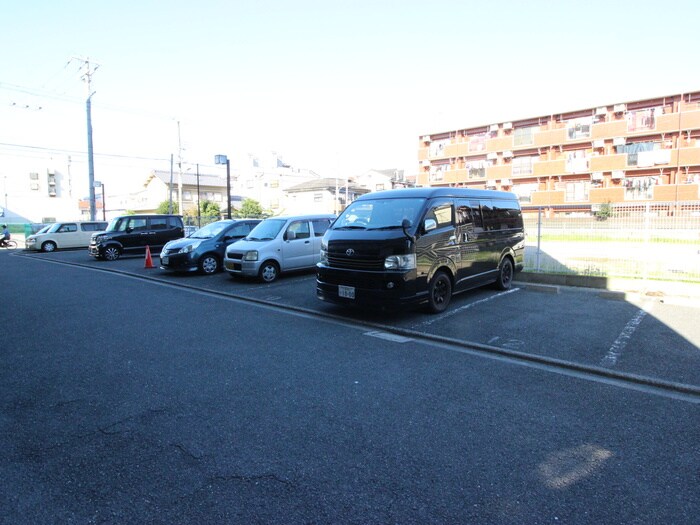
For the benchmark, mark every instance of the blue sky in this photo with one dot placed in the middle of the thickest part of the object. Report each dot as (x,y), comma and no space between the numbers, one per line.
(334,86)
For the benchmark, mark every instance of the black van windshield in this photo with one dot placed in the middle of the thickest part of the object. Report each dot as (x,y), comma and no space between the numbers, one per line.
(379,214)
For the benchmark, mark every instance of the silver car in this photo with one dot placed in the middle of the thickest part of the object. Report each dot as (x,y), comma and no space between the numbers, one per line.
(278,244)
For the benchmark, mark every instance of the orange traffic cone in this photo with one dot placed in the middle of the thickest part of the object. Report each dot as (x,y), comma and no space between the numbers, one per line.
(149,261)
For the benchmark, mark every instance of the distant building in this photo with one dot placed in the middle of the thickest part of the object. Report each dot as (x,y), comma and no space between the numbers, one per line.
(158,187)
(572,162)
(38,195)
(378,180)
(328,195)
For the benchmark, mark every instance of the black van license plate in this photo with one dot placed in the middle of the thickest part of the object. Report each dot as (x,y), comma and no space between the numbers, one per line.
(348,292)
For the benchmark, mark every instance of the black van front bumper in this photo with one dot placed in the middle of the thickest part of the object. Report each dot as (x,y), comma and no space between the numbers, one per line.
(385,290)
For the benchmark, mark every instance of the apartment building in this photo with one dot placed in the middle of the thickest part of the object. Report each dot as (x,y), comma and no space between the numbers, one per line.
(639,151)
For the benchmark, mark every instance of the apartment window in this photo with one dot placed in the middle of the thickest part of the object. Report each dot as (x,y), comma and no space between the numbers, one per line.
(579,128)
(476,169)
(437,173)
(34,186)
(187,195)
(577,191)
(642,120)
(525,191)
(523,165)
(318,197)
(437,147)
(477,142)
(640,188)
(645,154)
(524,136)
(379,187)
(577,162)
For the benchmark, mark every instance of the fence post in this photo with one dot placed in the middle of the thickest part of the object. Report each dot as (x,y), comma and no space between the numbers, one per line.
(539,236)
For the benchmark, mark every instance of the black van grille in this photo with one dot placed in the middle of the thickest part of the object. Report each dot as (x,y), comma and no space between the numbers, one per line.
(354,262)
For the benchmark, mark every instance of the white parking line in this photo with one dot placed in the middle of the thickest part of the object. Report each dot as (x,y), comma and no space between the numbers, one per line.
(389,337)
(620,343)
(450,313)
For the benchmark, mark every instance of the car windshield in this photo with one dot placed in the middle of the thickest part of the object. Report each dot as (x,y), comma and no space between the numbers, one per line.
(379,214)
(210,230)
(54,227)
(266,230)
(113,225)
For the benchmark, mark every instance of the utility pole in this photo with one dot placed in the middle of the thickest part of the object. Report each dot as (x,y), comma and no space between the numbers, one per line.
(89,70)
(179,166)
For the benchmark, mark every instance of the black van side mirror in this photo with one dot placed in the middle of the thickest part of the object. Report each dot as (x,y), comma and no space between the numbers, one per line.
(405,225)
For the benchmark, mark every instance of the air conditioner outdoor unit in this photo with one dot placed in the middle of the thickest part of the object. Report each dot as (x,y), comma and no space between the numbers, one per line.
(426,138)
(507,125)
(597,175)
(620,108)
(426,163)
(506,182)
(600,143)
(492,156)
(601,110)
(507,154)
(493,127)
(618,174)
(619,141)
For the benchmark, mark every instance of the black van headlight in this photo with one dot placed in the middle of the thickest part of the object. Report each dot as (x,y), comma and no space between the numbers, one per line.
(400,262)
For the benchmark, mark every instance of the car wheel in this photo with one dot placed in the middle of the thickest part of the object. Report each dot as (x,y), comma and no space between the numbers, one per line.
(505,274)
(269,271)
(439,292)
(48,246)
(112,253)
(209,264)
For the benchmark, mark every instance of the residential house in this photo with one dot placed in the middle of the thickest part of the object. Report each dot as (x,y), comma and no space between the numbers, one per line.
(327,195)
(377,180)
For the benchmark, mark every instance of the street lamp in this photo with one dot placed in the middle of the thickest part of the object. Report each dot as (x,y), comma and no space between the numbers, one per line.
(223,159)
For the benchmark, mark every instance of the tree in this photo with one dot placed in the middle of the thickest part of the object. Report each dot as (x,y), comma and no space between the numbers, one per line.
(250,208)
(164,207)
(604,212)
(209,209)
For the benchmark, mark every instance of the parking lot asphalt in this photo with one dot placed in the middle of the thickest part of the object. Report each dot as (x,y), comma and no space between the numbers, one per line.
(652,340)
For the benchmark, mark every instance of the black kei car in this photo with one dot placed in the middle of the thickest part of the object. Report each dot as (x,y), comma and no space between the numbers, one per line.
(134,234)
(204,249)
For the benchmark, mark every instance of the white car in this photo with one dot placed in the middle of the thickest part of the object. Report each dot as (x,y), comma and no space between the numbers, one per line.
(73,234)
(278,244)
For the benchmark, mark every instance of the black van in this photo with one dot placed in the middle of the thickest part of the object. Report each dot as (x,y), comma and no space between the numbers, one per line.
(402,247)
(130,234)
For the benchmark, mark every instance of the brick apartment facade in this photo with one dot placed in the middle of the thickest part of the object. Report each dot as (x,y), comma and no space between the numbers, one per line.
(645,151)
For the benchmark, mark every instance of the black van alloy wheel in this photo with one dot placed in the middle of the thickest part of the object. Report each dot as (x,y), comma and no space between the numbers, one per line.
(439,292)
(112,253)
(505,274)
(208,264)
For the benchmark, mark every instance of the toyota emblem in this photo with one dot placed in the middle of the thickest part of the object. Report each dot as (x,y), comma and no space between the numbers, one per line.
(349,252)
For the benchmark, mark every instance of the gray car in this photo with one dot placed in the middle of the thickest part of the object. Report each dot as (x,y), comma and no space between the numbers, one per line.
(278,244)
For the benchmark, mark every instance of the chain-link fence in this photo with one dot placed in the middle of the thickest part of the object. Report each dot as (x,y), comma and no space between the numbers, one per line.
(642,240)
